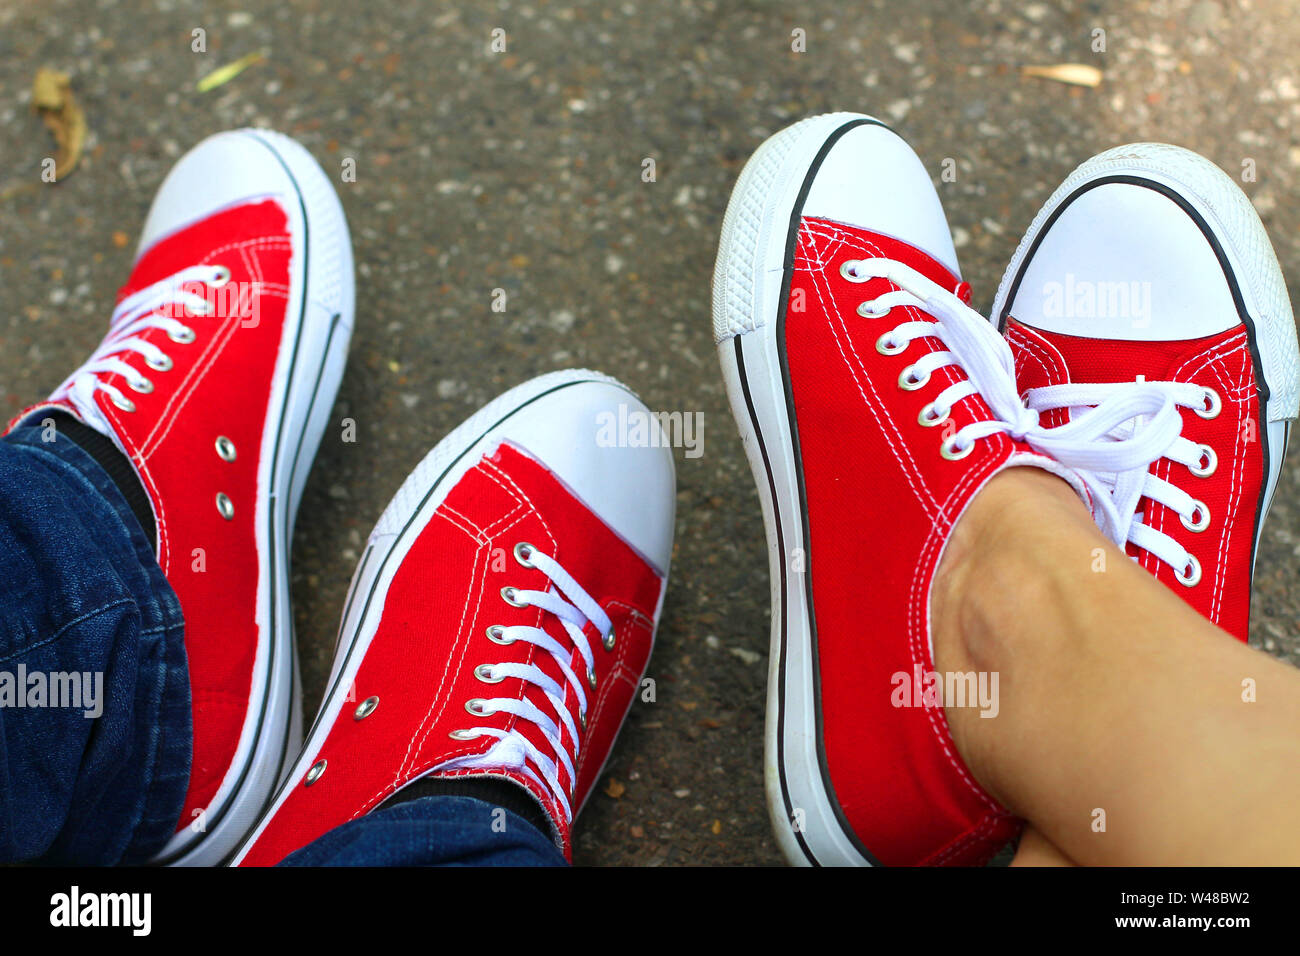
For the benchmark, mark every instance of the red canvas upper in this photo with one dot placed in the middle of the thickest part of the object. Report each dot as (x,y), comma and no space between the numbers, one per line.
(1221,362)
(880,503)
(219,385)
(432,635)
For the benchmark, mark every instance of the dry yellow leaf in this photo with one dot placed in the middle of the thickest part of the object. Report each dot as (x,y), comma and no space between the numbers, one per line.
(1076,74)
(224,74)
(52,97)
(48,88)
(614,789)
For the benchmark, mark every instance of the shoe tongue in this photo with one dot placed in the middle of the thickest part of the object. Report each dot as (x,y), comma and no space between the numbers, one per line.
(887,247)
(546,663)
(1052,358)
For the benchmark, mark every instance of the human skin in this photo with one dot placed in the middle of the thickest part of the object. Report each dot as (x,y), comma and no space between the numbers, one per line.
(1116,698)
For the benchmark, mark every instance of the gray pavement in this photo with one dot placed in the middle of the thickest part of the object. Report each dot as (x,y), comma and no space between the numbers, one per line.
(523,171)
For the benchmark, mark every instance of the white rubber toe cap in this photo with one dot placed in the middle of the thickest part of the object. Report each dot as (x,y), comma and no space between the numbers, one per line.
(872,179)
(607,447)
(222,171)
(1122,261)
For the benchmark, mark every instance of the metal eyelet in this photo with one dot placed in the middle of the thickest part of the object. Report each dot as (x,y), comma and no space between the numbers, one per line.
(225,448)
(163,365)
(475,706)
(315,772)
(1213,407)
(1190,576)
(1191,524)
(464,735)
(508,595)
(591,678)
(522,551)
(496,634)
(847,270)
(484,673)
(365,708)
(609,640)
(908,381)
(884,347)
(1211,463)
(582,721)
(225,506)
(928,418)
(185,336)
(867,312)
(123,403)
(949,450)
(221,278)
(144,386)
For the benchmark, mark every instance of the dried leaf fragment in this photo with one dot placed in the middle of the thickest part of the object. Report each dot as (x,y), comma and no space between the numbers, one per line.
(224,74)
(1076,74)
(52,97)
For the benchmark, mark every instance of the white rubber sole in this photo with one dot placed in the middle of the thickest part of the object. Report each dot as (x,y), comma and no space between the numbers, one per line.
(748,301)
(394,534)
(313,353)
(1227,213)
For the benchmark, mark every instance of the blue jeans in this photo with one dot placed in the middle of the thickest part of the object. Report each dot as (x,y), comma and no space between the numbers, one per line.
(432,831)
(95,733)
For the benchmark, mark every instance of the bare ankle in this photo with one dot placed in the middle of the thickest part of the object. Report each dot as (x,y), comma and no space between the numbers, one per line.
(986,554)
(994,565)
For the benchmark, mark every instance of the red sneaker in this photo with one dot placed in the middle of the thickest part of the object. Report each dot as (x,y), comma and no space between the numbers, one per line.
(502,616)
(874,404)
(216,378)
(1148,263)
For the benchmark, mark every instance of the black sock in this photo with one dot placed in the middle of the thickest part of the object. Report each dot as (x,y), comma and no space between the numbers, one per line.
(115,464)
(493,790)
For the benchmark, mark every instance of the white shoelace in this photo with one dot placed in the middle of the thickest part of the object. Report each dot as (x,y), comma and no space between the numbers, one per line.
(137,313)
(574,608)
(1129,488)
(1124,433)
